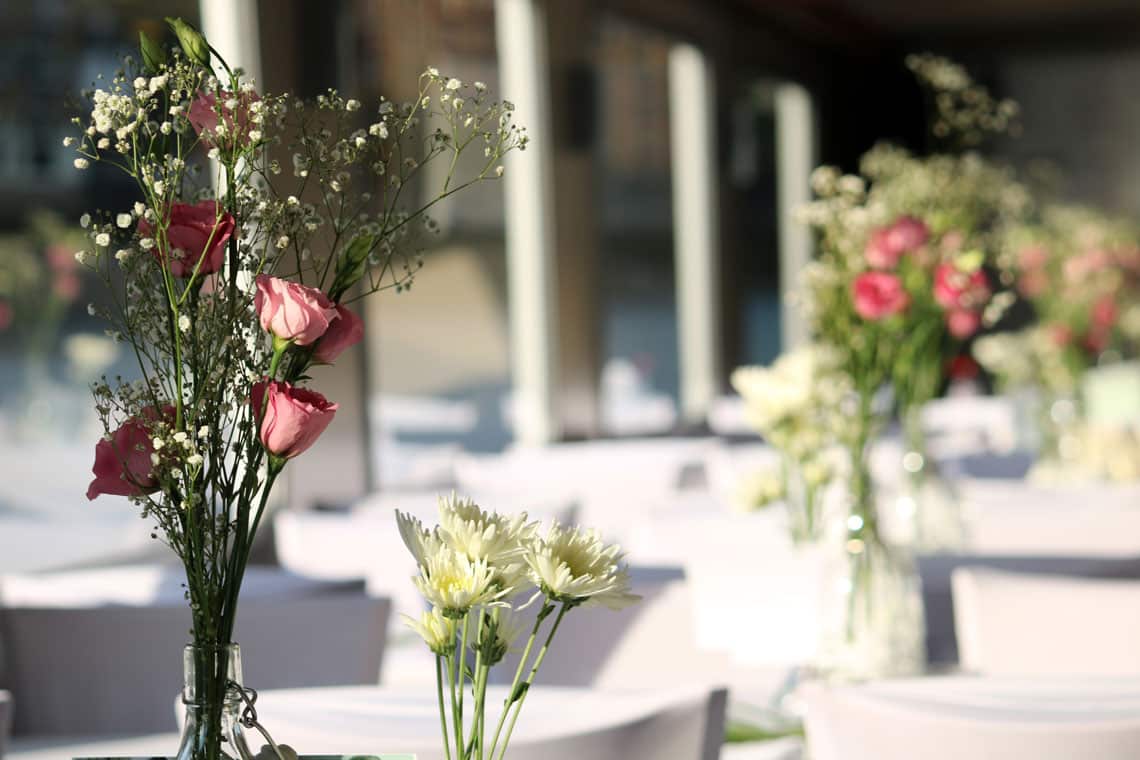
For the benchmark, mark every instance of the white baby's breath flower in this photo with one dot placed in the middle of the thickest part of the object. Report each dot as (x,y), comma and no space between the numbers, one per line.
(146,244)
(436,629)
(453,84)
(139,208)
(194,460)
(68,142)
(576,566)
(454,583)
(184,323)
(102,240)
(85,221)
(122,221)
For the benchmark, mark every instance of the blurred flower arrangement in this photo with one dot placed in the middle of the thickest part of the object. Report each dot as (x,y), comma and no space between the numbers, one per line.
(905,277)
(1079,269)
(230,279)
(795,405)
(475,570)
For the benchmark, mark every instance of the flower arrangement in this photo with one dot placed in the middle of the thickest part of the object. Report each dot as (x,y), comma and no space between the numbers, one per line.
(475,567)
(796,405)
(232,276)
(1080,271)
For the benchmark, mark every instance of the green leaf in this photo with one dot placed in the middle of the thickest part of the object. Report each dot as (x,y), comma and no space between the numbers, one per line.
(153,54)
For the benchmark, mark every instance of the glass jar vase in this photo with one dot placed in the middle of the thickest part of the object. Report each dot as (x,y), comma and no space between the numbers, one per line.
(212,700)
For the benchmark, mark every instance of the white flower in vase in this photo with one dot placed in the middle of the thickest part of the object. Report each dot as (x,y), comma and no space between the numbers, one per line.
(576,566)
(436,629)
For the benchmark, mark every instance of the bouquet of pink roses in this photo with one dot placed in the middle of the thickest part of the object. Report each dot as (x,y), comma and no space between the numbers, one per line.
(231,276)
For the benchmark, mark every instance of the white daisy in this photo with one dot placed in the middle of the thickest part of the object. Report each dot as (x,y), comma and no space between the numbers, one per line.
(454,583)
(436,629)
(576,566)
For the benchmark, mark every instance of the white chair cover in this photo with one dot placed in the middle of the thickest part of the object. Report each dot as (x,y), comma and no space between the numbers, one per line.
(964,718)
(1044,625)
(1013,517)
(115,669)
(613,481)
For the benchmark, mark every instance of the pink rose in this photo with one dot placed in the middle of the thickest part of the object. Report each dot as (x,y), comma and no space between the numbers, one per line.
(878,295)
(203,116)
(1060,334)
(294,417)
(1032,257)
(291,311)
(908,233)
(1090,262)
(1033,283)
(345,331)
(962,323)
(1104,312)
(122,464)
(194,233)
(888,244)
(955,289)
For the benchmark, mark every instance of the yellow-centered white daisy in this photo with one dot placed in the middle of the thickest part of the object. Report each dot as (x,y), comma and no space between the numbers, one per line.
(420,542)
(455,583)
(576,566)
(481,535)
(436,629)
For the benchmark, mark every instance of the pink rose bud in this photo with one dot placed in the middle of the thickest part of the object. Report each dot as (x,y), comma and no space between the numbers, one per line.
(236,121)
(1104,313)
(294,418)
(962,323)
(907,234)
(194,233)
(878,295)
(1060,334)
(122,464)
(955,289)
(1032,257)
(291,311)
(343,332)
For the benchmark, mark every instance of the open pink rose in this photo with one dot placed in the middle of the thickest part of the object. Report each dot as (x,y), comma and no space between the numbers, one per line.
(962,323)
(194,233)
(878,295)
(122,464)
(888,244)
(1088,263)
(291,311)
(294,417)
(345,331)
(236,121)
(955,289)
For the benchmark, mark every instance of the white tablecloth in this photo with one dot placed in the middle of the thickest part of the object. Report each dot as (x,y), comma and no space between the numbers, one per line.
(671,724)
(956,718)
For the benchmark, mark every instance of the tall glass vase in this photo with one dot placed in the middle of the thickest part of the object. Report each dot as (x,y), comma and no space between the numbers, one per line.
(211,696)
(928,503)
(803,499)
(872,622)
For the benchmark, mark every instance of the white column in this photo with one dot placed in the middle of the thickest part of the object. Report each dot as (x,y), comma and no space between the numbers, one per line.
(795,160)
(231,27)
(531,287)
(692,138)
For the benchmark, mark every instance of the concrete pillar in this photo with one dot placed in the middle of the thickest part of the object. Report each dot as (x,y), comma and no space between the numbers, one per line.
(520,29)
(692,138)
(796,157)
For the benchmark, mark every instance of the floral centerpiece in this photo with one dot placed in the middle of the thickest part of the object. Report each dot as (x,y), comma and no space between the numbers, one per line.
(795,404)
(478,571)
(1079,271)
(903,279)
(260,219)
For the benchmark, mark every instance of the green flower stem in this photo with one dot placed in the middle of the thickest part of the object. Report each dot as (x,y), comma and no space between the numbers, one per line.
(442,712)
(460,675)
(477,735)
(518,673)
(457,725)
(530,680)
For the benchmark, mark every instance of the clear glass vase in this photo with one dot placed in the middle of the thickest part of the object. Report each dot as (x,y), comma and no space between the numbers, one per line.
(871,614)
(803,499)
(927,502)
(211,697)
